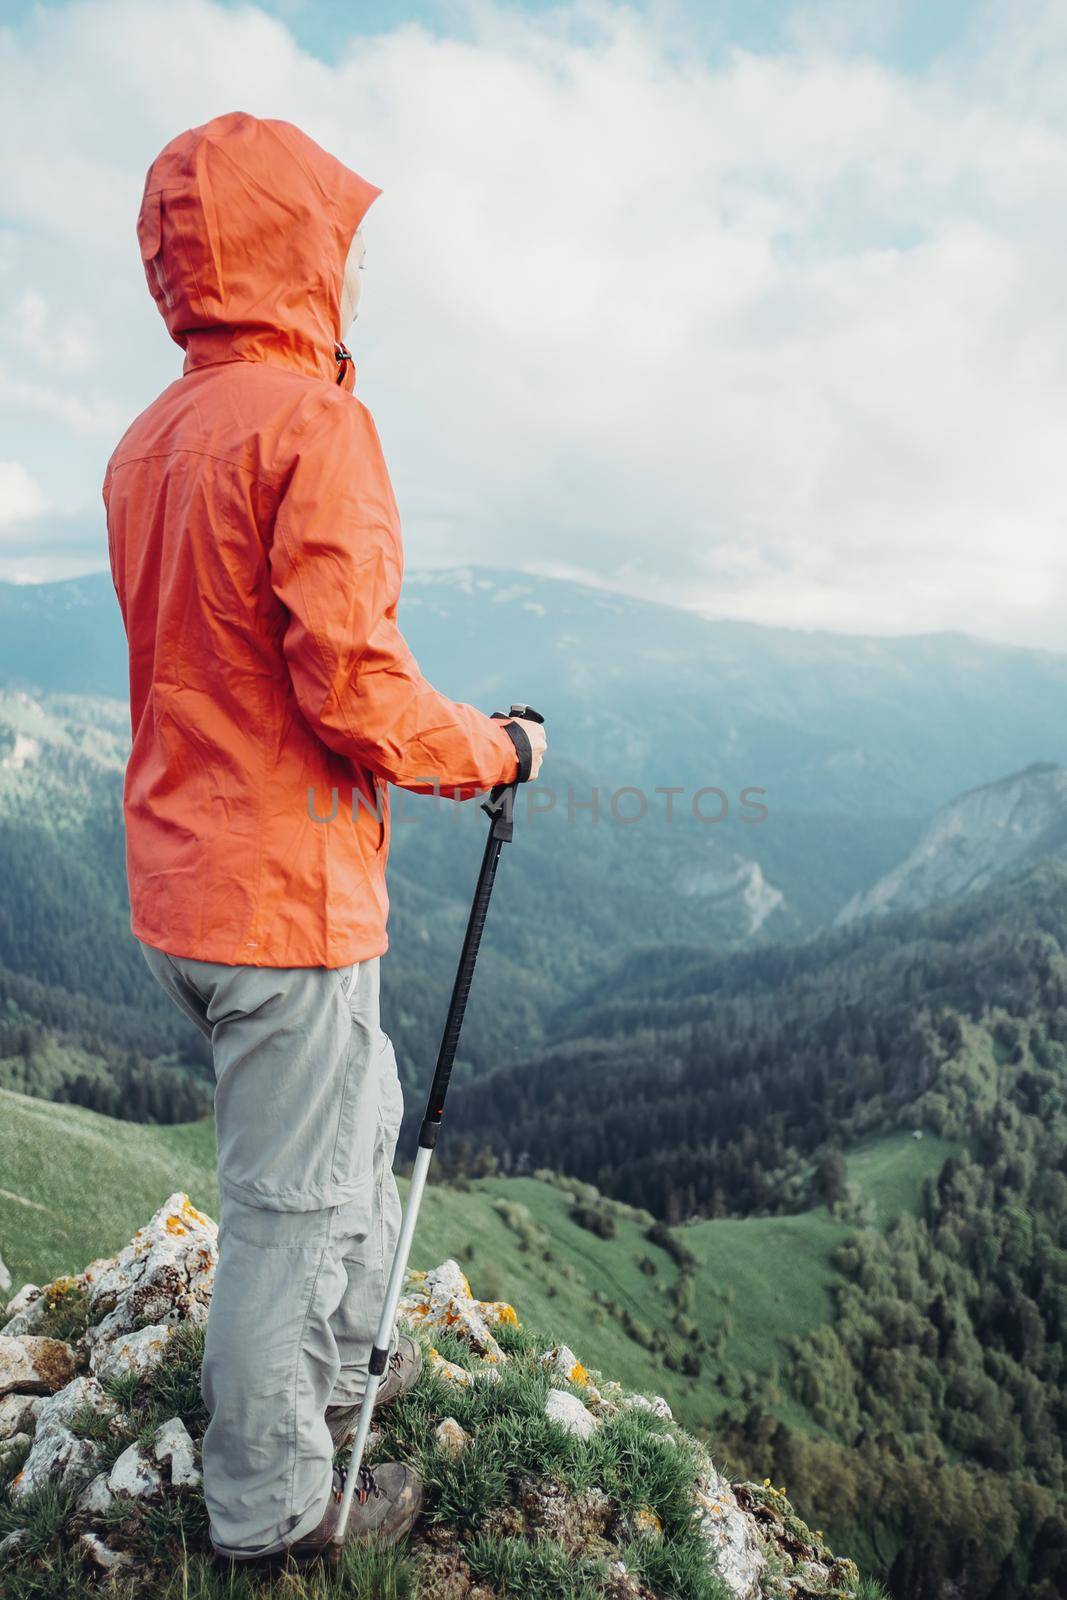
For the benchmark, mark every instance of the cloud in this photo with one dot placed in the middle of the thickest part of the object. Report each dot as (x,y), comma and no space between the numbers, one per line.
(20,496)
(780,336)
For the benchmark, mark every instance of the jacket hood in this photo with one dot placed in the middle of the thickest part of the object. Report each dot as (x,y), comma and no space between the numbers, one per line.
(244,229)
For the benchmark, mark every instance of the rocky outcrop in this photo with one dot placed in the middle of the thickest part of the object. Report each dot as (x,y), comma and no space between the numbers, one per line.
(61,1457)
(64,1406)
(974,840)
(163,1276)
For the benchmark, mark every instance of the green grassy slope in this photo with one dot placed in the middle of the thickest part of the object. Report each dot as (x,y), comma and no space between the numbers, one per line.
(74,1185)
(890,1171)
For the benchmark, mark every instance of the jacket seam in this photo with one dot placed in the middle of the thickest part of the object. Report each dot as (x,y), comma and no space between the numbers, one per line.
(269,481)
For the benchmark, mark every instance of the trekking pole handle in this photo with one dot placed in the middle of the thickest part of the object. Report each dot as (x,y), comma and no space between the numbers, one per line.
(525,714)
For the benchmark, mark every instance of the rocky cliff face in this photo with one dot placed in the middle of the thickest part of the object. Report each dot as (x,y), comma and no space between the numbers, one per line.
(983,835)
(522,1446)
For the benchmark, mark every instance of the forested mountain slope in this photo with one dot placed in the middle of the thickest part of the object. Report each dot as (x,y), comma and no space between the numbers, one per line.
(697,1083)
(650,694)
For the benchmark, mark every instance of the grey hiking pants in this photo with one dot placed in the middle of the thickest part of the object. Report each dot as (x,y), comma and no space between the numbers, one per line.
(307,1111)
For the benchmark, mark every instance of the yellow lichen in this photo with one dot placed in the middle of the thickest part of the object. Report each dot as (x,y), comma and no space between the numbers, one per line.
(499,1311)
(646,1521)
(175,1227)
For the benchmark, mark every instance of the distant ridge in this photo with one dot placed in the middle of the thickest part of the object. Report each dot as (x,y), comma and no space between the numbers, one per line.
(975,839)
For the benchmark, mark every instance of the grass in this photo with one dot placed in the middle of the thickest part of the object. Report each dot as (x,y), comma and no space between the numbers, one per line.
(60,1574)
(515,1454)
(75,1185)
(890,1171)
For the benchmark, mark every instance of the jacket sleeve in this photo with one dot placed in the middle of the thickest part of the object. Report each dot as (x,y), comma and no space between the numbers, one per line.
(336,565)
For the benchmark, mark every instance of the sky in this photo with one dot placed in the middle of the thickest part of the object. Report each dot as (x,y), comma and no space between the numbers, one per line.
(755,308)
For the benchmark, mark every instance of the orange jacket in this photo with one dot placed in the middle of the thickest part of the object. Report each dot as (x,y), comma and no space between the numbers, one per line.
(256,552)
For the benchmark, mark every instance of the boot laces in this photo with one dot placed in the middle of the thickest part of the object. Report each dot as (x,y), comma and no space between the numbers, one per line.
(366,1484)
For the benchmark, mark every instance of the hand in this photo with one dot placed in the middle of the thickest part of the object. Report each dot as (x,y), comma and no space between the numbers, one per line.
(535,732)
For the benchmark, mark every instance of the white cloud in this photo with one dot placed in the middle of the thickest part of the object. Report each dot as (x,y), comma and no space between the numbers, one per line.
(781,337)
(20,496)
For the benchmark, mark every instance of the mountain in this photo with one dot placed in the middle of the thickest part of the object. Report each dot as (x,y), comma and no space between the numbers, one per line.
(986,833)
(650,695)
(699,1083)
(80,1017)
(77,1004)
(711,1087)
(63,637)
(828,724)
(852,739)
(802,764)
(626,1299)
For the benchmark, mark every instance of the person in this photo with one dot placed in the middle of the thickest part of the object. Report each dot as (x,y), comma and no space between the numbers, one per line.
(256,553)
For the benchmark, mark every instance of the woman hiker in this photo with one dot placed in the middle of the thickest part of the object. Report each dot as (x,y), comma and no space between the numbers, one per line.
(256,552)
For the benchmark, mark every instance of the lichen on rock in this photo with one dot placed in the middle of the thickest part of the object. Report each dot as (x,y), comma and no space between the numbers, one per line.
(60,1457)
(164,1275)
(33,1365)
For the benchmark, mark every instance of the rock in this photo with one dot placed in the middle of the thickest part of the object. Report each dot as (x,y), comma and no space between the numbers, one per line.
(622,1584)
(546,1508)
(31,1365)
(451,1438)
(563,1360)
(496,1312)
(101,1555)
(57,1455)
(26,1311)
(565,1408)
(174,1449)
(165,1273)
(730,1535)
(96,1498)
(450,1371)
(27,1295)
(134,1475)
(647,1525)
(442,1299)
(18,1414)
(654,1403)
(5,1277)
(10,1545)
(132,1352)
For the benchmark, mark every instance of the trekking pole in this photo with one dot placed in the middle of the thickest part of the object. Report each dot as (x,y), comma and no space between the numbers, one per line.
(500,808)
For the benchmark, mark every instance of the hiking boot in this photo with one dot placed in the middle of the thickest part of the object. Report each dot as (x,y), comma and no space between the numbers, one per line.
(401,1374)
(385,1507)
